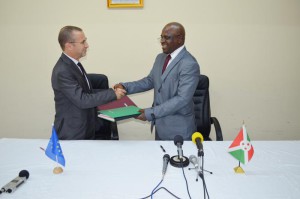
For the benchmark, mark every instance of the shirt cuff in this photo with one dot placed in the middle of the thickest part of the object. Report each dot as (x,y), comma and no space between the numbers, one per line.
(123,86)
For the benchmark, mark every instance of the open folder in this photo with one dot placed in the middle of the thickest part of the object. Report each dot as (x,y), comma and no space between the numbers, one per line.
(118,110)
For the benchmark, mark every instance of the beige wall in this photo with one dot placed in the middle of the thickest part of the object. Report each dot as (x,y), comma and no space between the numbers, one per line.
(249,49)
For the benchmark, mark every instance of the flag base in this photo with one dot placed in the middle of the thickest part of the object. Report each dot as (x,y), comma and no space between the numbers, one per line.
(57,170)
(238,170)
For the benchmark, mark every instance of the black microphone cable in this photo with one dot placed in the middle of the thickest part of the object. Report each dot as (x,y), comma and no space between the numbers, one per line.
(205,192)
(187,186)
(156,187)
(160,189)
(166,159)
(156,190)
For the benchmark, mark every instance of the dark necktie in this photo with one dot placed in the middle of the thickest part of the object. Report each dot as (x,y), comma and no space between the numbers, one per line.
(82,69)
(83,73)
(166,63)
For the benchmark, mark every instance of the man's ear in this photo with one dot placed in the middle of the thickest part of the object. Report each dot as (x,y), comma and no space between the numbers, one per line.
(68,46)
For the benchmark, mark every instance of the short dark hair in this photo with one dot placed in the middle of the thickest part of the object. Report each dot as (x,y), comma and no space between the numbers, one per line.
(65,35)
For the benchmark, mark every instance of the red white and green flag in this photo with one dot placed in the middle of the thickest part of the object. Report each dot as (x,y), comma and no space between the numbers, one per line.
(241,147)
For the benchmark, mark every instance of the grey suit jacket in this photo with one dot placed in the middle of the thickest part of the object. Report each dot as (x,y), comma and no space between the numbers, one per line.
(173,107)
(75,103)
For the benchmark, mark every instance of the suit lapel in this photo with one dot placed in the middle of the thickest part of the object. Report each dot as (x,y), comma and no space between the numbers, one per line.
(172,65)
(77,72)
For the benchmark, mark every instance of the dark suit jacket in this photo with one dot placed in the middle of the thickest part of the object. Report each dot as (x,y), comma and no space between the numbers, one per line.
(173,106)
(75,103)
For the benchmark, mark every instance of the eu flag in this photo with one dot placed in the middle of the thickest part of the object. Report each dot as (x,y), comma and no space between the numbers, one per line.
(53,150)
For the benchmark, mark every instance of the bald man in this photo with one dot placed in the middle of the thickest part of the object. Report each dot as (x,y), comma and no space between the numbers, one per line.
(174,78)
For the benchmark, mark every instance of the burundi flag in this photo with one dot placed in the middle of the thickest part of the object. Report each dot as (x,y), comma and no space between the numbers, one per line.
(241,147)
(53,150)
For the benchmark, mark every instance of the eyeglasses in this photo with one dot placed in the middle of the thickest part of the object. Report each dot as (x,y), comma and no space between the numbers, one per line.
(79,42)
(166,38)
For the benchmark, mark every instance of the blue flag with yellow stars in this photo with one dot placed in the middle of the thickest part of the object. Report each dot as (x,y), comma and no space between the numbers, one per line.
(53,150)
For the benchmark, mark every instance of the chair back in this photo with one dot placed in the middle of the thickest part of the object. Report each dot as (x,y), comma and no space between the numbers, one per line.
(202,107)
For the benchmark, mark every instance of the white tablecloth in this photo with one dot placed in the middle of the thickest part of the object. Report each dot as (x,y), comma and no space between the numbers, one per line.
(131,169)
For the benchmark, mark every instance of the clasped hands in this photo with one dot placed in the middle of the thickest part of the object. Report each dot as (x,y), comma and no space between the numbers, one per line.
(121,92)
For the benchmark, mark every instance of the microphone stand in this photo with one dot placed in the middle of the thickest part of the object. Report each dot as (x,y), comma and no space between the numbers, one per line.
(179,160)
(200,172)
(197,168)
(201,154)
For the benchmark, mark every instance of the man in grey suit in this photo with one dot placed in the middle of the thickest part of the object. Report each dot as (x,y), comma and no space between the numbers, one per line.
(75,100)
(174,78)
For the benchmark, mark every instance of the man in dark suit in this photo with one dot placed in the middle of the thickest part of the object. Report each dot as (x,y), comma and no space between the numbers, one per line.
(174,78)
(75,100)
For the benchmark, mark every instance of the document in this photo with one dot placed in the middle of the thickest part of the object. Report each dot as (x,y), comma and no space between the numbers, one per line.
(117,114)
(118,110)
(125,101)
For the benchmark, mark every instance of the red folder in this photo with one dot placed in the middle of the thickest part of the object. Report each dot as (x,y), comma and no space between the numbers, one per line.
(125,101)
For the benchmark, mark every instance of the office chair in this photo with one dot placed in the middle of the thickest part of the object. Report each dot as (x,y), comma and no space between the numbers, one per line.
(202,111)
(100,82)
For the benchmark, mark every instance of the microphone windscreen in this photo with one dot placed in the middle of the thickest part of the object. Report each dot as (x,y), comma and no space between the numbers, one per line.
(197,135)
(178,139)
(24,173)
(167,157)
(193,160)
(192,157)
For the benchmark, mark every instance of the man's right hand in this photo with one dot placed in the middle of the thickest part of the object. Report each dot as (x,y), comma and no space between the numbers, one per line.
(120,92)
(118,86)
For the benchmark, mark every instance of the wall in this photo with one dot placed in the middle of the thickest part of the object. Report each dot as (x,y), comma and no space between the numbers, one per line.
(249,50)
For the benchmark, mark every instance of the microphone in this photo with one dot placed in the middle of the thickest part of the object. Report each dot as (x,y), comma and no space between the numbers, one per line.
(178,141)
(197,138)
(166,160)
(16,182)
(179,160)
(193,159)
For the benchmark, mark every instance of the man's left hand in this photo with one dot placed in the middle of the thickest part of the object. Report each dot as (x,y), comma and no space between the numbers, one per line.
(142,115)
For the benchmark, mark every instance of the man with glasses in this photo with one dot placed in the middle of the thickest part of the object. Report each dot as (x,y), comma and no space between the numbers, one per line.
(174,78)
(75,99)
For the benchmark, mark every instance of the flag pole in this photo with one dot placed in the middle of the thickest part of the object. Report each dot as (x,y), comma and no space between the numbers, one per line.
(239,169)
(57,169)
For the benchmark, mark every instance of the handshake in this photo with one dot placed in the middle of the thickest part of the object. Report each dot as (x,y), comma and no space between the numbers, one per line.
(121,92)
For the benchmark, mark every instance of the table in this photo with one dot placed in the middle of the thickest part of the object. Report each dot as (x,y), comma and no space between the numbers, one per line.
(131,169)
